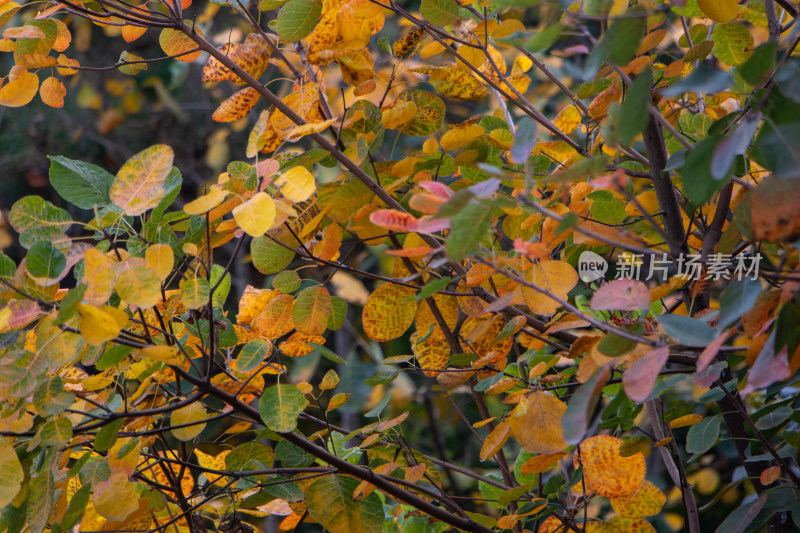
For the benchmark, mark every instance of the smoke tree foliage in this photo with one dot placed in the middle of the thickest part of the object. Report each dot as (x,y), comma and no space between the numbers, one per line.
(420,188)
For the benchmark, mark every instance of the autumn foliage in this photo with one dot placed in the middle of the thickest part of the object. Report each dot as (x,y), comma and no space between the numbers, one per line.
(526,265)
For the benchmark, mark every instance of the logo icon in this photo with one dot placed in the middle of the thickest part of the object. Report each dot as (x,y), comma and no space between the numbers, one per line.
(591,267)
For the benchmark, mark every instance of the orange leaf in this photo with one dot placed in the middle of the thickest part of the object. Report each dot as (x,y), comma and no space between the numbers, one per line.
(605,471)
(52,92)
(237,106)
(495,440)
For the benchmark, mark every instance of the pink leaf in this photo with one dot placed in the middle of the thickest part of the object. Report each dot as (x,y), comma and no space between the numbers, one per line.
(710,351)
(436,188)
(432,225)
(639,380)
(621,295)
(393,220)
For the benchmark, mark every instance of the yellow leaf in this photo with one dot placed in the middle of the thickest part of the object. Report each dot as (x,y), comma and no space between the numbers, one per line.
(190,414)
(568,120)
(297,184)
(555,277)
(538,429)
(685,420)
(253,301)
(304,102)
(329,380)
(115,498)
(456,138)
(237,106)
(170,355)
(719,10)
(647,500)
(495,440)
(205,203)
(52,92)
(256,215)
(137,282)
(100,324)
(161,258)
(213,462)
(99,275)
(139,184)
(399,115)
(21,89)
(387,313)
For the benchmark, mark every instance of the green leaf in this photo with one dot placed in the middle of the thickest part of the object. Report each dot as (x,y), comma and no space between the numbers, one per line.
(634,114)
(41,499)
(56,431)
(703,435)
(524,140)
(11,474)
(327,353)
(619,43)
(45,261)
(224,287)
(687,331)
(775,418)
(733,43)
(698,183)
(77,506)
(252,355)
(467,230)
(250,456)
(431,288)
(614,345)
(287,281)
(36,219)
(194,292)
(51,399)
(280,405)
(133,68)
(81,184)
(338,313)
(107,436)
(269,256)
(441,12)
(297,18)
(330,502)
(758,66)
(291,456)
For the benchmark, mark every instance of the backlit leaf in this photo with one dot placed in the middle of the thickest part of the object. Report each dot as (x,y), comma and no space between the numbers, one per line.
(388,312)
(330,502)
(297,184)
(52,92)
(21,88)
(11,474)
(137,282)
(237,106)
(256,215)
(312,308)
(192,414)
(555,277)
(539,430)
(140,183)
(175,42)
(280,405)
(605,471)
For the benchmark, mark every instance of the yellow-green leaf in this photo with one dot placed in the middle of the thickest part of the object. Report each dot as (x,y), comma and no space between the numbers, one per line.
(139,184)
